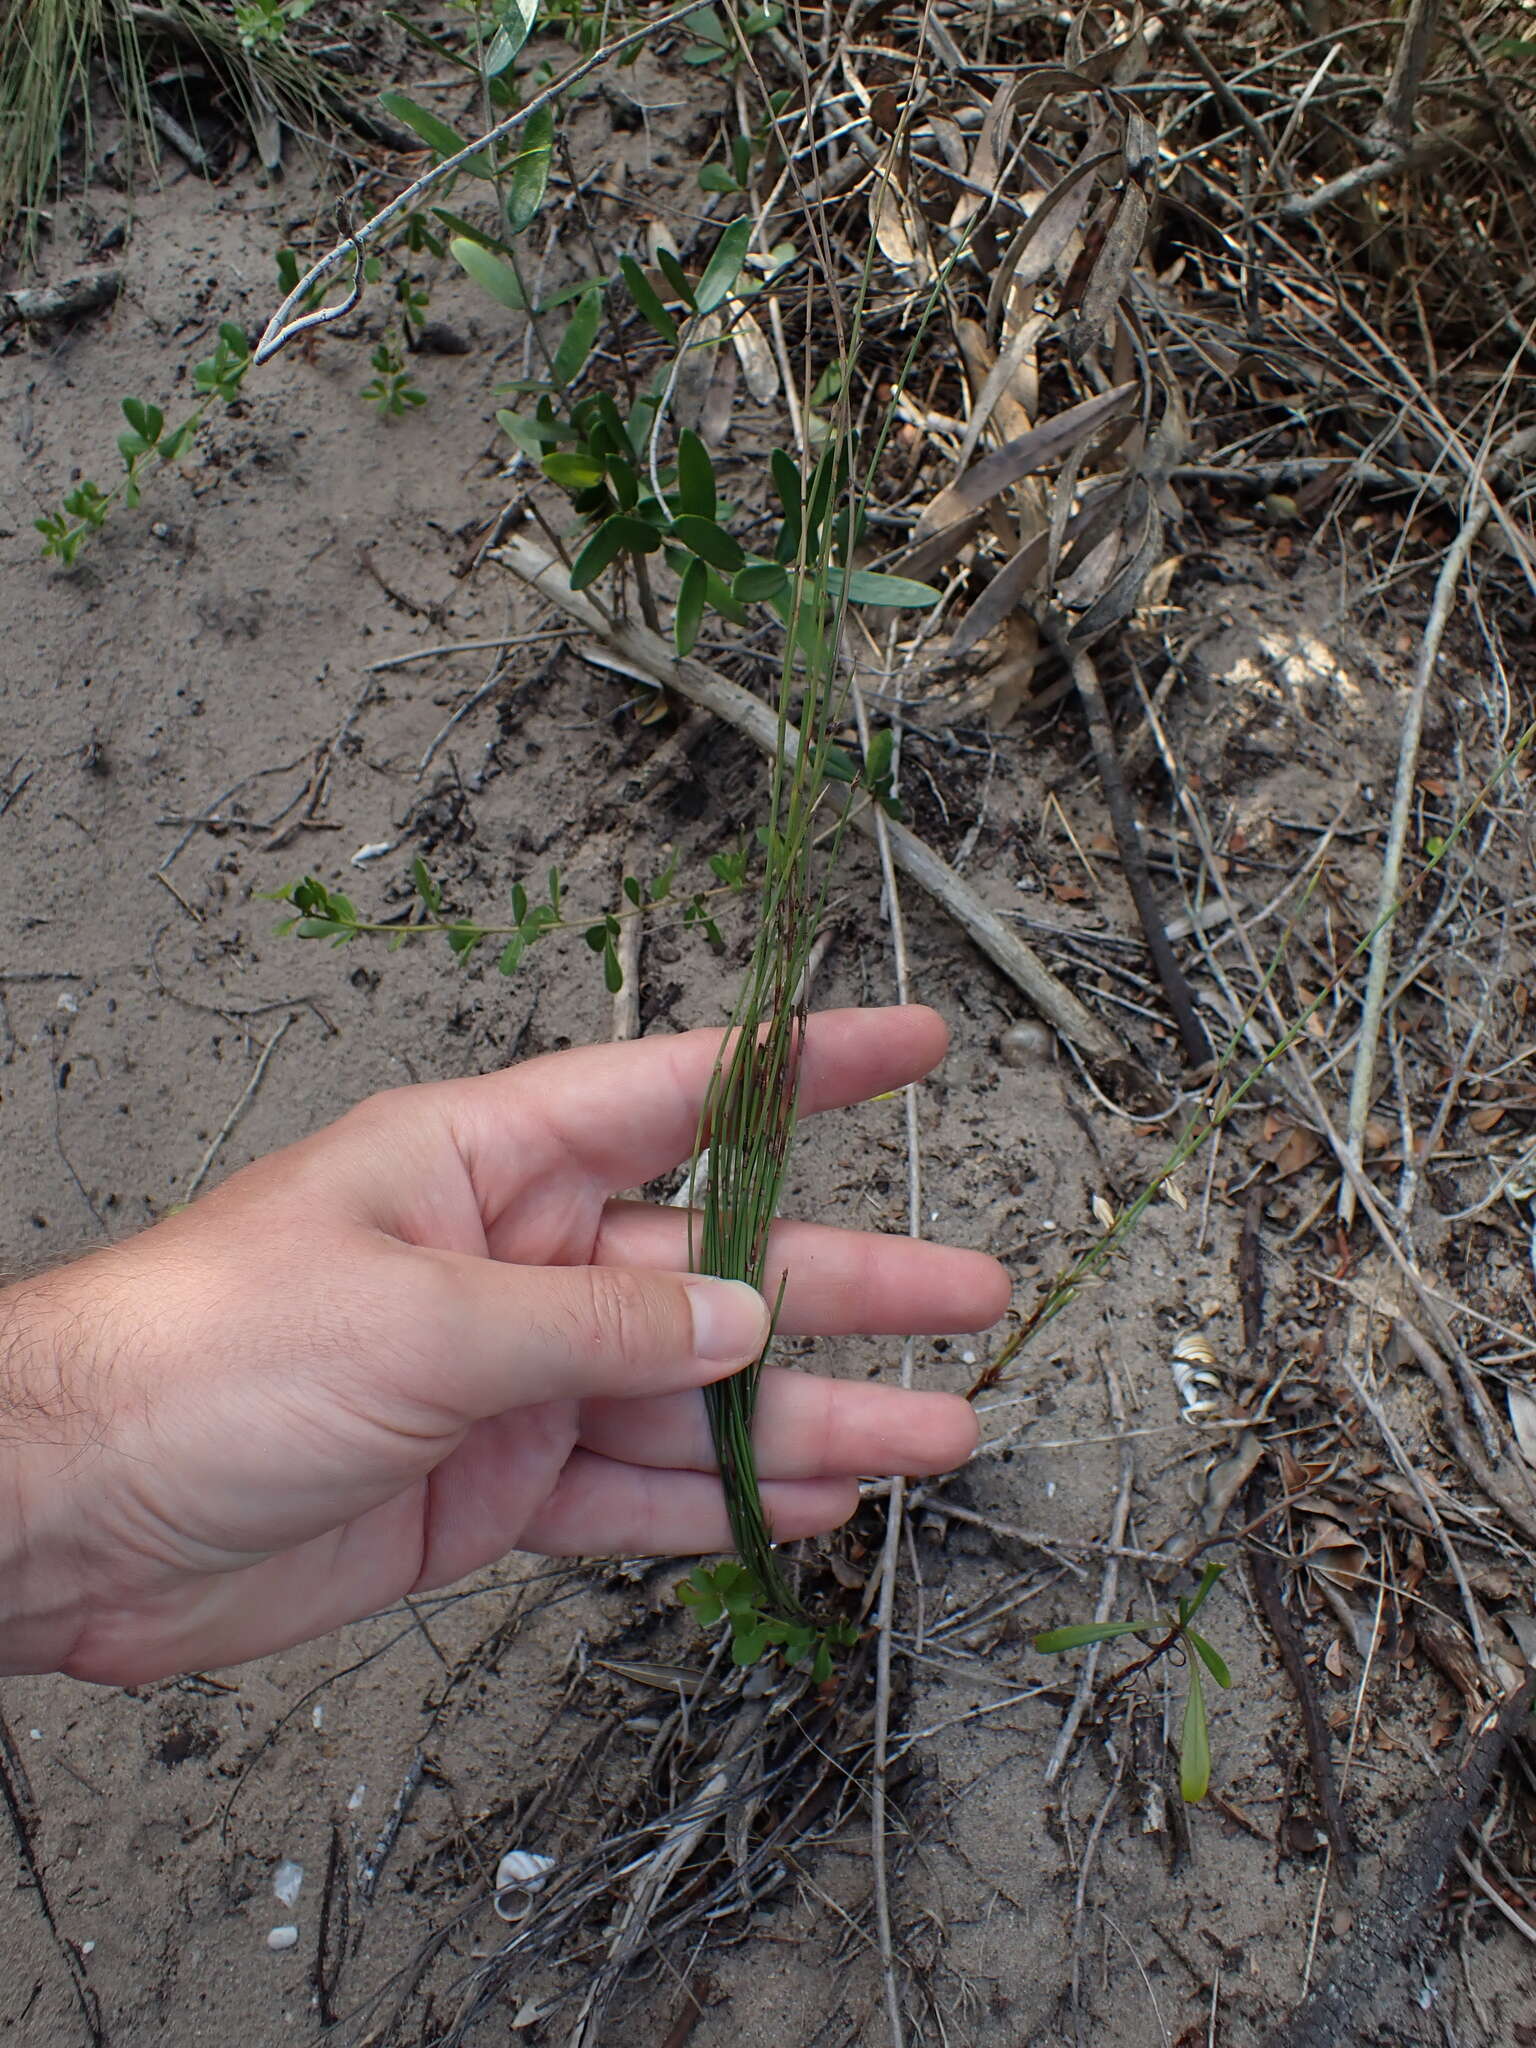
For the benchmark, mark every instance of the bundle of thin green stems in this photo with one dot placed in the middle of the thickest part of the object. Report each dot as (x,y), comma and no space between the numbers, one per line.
(749,1115)
(750,1110)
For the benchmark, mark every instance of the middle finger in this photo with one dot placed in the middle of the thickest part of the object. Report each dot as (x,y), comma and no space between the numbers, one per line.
(840,1281)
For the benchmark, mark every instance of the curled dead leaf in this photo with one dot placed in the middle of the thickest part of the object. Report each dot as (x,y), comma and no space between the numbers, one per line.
(898,230)
(757,360)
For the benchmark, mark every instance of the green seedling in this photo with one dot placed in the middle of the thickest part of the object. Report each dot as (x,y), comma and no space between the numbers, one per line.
(324,913)
(390,388)
(724,43)
(1177,1640)
(262,23)
(147,444)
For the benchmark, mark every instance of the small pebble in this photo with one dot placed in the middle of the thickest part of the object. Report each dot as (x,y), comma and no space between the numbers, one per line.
(283,1937)
(1026,1043)
(358,1794)
(287,1881)
(317,1716)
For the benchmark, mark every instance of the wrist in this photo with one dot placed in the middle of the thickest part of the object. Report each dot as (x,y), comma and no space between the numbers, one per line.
(47,1433)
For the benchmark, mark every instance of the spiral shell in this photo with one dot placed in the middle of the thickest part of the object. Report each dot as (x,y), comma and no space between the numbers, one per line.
(1192,1362)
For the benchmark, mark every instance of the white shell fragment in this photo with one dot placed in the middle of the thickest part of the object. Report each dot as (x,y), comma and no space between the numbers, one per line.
(287,1881)
(374,850)
(283,1937)
(1026,1043)
(519,1872)
(1192,1362)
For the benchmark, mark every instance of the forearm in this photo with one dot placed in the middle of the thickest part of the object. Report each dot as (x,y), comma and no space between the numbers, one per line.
(47,1432)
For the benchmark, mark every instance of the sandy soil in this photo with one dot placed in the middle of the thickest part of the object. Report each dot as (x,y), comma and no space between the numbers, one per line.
(214,658)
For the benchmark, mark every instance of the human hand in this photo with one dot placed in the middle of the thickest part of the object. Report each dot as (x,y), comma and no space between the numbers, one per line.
(383,1357)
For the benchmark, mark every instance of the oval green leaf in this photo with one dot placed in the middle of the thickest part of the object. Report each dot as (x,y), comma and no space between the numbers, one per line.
(695,476)
(1210,1657)
(677,277)
(761,583)
(616,536)
(530,170)
(572,472)
(646,299)
(436,134)
(786,481)
(570,358)
(1080,1634)
(868,586)
(1195,1743)
(712,543)
(492,275)
(514,25)
(690,606)
(723,267)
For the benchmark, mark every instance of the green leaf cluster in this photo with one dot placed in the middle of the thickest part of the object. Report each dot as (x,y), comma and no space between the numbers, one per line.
(391,388)
(715,42)
(732,1591)
(325,913)
(147,441)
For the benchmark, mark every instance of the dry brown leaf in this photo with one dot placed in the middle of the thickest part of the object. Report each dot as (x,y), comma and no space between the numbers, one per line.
(696,372)
(1011,413)
(1004,686)
(950,138)
(1002,596)
(1228,1476)
(756,354)
(1045,237)
(1037,449)
(1090,574)
(1110,272)
(1485,1119)
(1293,1153)
(987,156)
(1068,891)
(1335,1555)
(898,230)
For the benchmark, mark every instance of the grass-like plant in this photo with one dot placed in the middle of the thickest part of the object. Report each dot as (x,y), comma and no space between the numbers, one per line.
(750,1110)
(53,53)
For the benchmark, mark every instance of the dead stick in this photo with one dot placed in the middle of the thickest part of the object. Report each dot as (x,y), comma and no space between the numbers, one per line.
(1266,1584)
(1380,959)
(1394,123)
(1333,2014)
(1133,857)
(1501,1490)
(87,293)
(737,707)
(626,997)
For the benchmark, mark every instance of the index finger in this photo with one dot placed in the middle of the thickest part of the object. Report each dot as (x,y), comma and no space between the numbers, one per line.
(624,1113)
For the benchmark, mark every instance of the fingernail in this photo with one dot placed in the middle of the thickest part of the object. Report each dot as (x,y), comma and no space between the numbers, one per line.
(730,1320)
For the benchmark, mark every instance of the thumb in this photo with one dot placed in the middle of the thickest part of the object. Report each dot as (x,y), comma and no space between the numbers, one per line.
(482,1336)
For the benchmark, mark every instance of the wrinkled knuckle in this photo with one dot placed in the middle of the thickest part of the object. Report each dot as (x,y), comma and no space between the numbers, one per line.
(629,1320)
